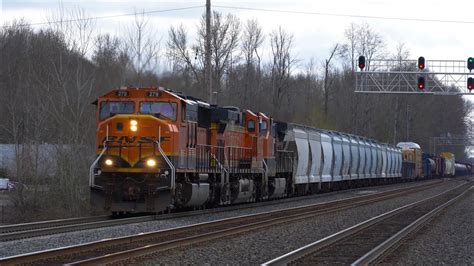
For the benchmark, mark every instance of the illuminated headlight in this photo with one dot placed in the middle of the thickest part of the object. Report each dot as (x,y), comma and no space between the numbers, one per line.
(151,162)
(133,125)
(108,162)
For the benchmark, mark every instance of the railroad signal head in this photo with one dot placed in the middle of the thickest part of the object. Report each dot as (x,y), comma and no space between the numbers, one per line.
(361,62)
(421,63)
(470,84)
(421,83)
(470,63)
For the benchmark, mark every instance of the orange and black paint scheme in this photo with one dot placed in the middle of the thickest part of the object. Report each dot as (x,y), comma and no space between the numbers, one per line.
(158,149)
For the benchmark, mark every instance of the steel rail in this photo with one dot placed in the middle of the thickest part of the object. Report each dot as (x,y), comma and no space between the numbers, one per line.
(49,223)
(80,225)
(330,240)
(179,242)
(176,243)
(389,245)
(234,226)
(28,230)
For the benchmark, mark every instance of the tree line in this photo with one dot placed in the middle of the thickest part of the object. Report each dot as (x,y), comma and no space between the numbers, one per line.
(50,76)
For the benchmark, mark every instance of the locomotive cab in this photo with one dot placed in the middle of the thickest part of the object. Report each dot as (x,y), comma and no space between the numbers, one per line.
(136,132)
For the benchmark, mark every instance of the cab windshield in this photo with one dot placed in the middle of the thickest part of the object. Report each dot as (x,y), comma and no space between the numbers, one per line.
(164,109)
(108,109)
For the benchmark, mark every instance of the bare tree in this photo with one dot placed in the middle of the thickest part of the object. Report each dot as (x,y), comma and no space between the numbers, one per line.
(141,47)
(252,40)
(369,43)
(225,33)
(281,44)
(362,40)
(179,54)
(349,49)
(74,26)
(111,62)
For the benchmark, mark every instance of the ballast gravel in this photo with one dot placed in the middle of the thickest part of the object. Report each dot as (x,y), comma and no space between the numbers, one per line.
(319,225)
(260,246)
(447,240)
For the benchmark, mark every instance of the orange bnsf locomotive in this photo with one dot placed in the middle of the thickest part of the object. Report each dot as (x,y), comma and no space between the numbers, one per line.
(158,149)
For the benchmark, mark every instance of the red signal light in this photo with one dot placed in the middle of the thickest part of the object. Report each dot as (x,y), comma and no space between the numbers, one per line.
(421,83)
(470,84)
(421,63)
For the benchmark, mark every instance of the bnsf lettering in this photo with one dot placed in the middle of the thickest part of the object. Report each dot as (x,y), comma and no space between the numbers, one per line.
(146,139)
(131,140)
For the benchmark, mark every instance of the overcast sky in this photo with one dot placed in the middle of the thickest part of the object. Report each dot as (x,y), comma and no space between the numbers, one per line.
(314,34)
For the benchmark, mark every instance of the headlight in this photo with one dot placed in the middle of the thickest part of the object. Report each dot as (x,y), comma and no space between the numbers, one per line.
(133,125)
(108,162)
(151,162)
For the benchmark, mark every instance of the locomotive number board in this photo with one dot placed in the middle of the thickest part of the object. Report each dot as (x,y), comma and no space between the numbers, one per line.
(152,94)
(122,93)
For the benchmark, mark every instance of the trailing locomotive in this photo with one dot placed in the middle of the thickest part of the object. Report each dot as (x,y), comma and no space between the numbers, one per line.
(158,149)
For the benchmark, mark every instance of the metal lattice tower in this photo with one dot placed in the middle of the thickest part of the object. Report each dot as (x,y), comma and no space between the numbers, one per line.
(442,77)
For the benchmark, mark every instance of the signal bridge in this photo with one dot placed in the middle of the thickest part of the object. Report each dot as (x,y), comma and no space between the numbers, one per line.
(438,77)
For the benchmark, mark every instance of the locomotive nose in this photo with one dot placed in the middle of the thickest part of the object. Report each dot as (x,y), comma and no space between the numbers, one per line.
(133,142)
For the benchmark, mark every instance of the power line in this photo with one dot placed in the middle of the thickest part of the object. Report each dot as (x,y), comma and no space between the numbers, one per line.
(343,15)
(111,16)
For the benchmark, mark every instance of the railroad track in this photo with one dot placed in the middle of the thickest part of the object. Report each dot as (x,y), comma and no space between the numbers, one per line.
(51,223)
(123,248)
(372,240)
(43,228)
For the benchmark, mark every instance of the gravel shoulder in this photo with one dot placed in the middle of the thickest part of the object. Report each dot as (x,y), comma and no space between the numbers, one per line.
(16,247)
(260,246)
(447,240)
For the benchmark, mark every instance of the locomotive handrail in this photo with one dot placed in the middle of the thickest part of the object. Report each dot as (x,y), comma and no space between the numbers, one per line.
(173,169)
(91,169)
(265,166)
(219,163)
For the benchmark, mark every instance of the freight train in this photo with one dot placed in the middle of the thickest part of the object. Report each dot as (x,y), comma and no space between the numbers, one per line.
(158,149)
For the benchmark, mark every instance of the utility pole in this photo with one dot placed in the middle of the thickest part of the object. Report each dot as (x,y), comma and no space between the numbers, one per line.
(208,50)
